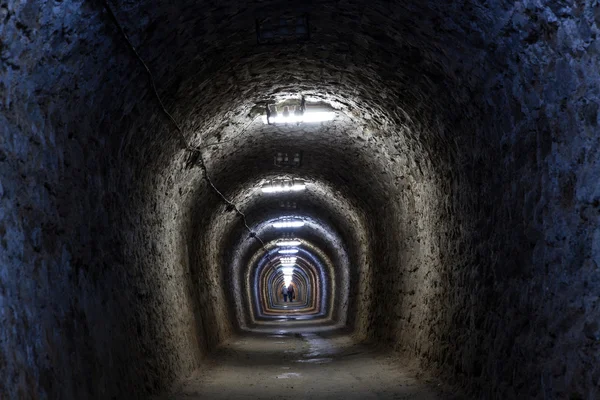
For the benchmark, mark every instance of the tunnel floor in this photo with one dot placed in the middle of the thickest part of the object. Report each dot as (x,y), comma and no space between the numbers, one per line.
(304,363)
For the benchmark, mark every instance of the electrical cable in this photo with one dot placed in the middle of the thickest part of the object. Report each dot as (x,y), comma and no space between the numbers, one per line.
(180,131)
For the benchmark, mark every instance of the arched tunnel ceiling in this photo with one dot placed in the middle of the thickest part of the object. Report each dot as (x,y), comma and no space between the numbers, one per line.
(326,250)
(386,69)
(460,176)
(307,273)
(216,54)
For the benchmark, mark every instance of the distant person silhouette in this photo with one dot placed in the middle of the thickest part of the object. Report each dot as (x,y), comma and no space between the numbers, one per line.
(284,292)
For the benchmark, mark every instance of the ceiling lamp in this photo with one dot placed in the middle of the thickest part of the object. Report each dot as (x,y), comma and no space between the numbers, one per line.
(288,224)
(278,29)
(283,185)
(288,204)
(288,251)
(288,260)
(299,113)
(307,117)
(284,243)
(285,159)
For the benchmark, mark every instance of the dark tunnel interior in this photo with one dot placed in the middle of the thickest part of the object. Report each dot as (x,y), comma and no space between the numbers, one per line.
(450,212)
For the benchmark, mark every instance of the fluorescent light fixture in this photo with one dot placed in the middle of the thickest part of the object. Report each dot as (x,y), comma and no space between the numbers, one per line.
(291,28)
(288,224)
(287,260)
(318,116)
(284,243)
(288,204)
(282,159)
(283,185)
(288,251)
(307,117)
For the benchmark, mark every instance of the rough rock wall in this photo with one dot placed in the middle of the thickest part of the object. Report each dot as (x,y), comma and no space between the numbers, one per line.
(497,283)
(93,241)
(544,243)
(333,153)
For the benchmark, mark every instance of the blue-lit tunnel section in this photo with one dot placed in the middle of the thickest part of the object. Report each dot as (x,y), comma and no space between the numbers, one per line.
(311,279)
(310,257)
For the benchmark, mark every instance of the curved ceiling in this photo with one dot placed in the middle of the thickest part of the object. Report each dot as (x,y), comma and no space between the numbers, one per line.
(462,157)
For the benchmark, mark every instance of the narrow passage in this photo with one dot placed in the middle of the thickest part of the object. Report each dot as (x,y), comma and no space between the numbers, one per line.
(298,364)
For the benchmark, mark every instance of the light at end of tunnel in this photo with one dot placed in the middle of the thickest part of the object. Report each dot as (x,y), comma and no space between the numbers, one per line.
(288,224)
(285,243)
(288,251)
(287,271)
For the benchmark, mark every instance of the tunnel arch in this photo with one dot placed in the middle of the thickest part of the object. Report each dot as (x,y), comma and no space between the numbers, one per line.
(323,274)
(474,124)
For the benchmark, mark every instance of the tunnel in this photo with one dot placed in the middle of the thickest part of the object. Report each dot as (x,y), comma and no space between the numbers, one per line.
(435,166)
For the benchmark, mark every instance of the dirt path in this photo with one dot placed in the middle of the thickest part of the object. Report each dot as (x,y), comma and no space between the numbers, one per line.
(301,366)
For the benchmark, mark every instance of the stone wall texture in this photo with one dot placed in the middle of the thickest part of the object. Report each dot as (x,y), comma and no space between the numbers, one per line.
(462,172)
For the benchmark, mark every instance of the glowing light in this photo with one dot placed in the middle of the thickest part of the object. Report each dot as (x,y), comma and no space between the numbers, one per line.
(288,273)
(287,260)
(283,185)
(288,224)
(288,251)
(287,270)
(285,243)
(284,263)
(307,117)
